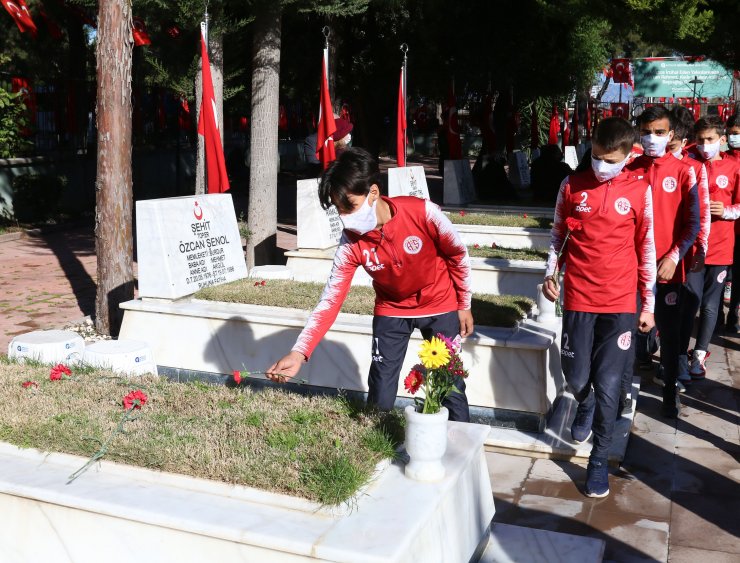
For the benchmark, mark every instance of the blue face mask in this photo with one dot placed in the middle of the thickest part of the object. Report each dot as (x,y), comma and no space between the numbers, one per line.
(363,220)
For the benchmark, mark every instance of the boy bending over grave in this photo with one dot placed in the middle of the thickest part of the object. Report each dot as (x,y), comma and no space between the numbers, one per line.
(420,270)
(609,254)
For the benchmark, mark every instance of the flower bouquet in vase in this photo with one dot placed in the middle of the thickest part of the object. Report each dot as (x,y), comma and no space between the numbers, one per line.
(426,421)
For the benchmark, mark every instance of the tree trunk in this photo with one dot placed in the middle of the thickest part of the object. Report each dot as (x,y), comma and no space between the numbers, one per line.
(216,56)
(114,195)
(262,218)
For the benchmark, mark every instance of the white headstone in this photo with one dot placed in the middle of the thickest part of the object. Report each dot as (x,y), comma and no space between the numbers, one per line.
(48,346)
(458,183)
(124,356)
(519,169)
(187,243)
(408,180)
(571,158)
(317,227)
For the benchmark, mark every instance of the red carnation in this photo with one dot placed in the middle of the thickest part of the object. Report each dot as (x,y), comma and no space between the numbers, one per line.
(573,224)
(134,400)
(263,283)
(27,384)
(413,381)
(476,245)
(525,215)
(256,284)
(494,245)
(59,371)
(462,214)
(237,376)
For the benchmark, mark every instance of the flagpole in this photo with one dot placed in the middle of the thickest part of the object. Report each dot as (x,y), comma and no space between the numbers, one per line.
(204,30)
(405,51)
(326,32)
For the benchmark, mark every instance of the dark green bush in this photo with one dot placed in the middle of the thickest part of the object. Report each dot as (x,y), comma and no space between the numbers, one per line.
(36,196)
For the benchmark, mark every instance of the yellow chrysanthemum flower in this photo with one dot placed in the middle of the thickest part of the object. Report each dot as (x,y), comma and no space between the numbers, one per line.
(433,353)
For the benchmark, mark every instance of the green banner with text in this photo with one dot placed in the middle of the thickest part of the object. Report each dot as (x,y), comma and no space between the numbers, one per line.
(666,79)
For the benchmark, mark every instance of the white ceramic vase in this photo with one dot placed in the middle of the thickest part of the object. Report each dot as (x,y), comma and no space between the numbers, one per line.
(547,310)
(426,442)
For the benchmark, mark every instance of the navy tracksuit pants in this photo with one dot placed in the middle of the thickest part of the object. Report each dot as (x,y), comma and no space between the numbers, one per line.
(390,342)
(595,349)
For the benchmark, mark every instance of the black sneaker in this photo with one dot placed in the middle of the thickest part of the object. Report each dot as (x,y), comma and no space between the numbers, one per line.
(580,430)
(597,478)
(625,405)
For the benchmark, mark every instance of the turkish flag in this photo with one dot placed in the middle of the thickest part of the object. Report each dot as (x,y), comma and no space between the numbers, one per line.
(696,109)
(19,84)
(401,124)
(534,129)
(621,71)
(574,127)
(453,127)
(20,14)
(566,127)
(216,176)
(282,118)
(552,138)
(326,127)
(138,29)
(183,115)
(621,110)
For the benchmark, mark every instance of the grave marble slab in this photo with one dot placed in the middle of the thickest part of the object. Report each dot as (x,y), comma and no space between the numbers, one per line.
(571,158)
(519,169)
(408,180)
(187,243)
(317,227)
(459,188)
(507,237)
(514,544)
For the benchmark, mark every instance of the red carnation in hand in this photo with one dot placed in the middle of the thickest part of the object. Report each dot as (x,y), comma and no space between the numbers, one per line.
(237,376)
(27,384)
(413,381)
(134,400)
(60,371)
(573,224)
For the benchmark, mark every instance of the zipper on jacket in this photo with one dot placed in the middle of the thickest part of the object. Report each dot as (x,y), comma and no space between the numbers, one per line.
(394,256)
(605,203)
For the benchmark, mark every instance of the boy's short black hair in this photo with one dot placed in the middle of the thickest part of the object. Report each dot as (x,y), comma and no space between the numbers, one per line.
(732,121)
(614,133)
(683,123)
(654,113)
(354,172)
(710,122)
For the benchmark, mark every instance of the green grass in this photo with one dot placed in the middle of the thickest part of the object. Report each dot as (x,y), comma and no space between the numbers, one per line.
(507,253)
(311,447)
(500,220)
(488,310)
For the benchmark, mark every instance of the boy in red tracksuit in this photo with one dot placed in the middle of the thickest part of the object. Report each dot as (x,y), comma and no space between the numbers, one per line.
(675,226)
(733,315)
(606,260)
(420,270)
(705,287)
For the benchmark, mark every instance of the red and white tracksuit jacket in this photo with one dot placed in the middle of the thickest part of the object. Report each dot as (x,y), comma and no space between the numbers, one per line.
(723,180)
(613,255)
(676,215)
(702,239)
(419,266)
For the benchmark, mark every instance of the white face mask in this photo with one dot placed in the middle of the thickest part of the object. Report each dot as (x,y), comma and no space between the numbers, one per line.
(678,154)
(733,141)
(363,220)
(708,151)
(654,145)
(606,170)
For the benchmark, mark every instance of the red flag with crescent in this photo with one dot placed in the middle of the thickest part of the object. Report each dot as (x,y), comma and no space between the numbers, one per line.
(18,10)
(621,71)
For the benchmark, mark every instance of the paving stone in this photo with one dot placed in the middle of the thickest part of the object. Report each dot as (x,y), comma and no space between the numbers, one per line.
(682,554)
(508,473)
(632,538)
(706,521)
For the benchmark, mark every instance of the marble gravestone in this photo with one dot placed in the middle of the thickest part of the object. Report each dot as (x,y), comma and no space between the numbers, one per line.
(187,243)
(317,227)
(408,180)
(571,158)
(458,183)
(519,169)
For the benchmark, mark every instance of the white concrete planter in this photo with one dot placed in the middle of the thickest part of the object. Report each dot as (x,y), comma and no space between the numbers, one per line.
(508,237)
(168,517)
(489,275)
(513,369)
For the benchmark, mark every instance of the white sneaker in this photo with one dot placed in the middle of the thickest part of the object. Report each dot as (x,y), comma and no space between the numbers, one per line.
(681,387)
(727,293)
(697,370)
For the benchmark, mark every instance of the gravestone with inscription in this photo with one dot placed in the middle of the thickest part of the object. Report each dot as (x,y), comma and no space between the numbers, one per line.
(571,158)
(458,183)
(408,180)
(317,227)
(519,169)
(187,243)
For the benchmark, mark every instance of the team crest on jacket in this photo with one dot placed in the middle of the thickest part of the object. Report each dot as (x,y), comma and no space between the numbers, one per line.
(412,245)
(721,276)
(670,184)
(622,205)
(722,181)
(671,298)
(624,340)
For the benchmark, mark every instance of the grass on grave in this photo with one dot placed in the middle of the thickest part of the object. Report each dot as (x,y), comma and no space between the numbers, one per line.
(503,253)
(488,310)
(500,220)
(319,448)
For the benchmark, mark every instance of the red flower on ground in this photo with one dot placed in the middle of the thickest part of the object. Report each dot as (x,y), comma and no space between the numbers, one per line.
(27,384)
(237,376)
(462,214)
(525,215)
(256,284)
(573,224)
(135,400)
(494,245)
(413,381)
(59,371)
(263,283)
(476,245)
